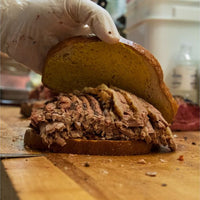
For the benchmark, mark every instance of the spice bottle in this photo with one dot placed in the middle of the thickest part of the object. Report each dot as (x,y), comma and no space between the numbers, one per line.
(184,76)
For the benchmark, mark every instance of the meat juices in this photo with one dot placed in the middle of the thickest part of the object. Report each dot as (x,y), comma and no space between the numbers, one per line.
(101,113)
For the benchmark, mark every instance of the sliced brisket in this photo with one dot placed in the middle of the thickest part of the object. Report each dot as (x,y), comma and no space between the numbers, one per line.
(101,113)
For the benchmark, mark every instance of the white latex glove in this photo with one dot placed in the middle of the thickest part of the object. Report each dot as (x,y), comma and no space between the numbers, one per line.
(29,28)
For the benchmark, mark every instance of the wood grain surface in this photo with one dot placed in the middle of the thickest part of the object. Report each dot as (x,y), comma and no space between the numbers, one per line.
(37,178)
(99,177)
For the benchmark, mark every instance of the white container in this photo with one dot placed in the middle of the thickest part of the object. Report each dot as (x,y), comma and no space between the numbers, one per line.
(162,26)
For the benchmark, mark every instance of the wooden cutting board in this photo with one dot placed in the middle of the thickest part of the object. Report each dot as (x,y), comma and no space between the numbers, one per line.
(68,176)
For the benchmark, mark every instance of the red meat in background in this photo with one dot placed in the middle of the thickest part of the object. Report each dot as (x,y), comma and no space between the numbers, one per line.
(42,93)
(187,117)
(37,97)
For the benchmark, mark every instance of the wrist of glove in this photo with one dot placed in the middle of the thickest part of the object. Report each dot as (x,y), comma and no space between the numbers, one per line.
(29,28)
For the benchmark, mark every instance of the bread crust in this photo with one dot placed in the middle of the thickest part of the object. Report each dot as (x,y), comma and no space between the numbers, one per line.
(90,147)
(166,105)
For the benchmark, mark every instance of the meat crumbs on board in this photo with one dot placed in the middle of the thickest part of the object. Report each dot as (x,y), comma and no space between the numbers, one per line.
(181,158)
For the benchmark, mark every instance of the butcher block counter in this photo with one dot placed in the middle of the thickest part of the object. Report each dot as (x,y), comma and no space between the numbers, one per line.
(31,175)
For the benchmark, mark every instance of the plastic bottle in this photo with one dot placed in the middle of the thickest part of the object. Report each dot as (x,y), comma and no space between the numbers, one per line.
(184,80)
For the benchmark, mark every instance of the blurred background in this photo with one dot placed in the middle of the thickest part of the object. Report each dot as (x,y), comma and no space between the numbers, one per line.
(169,29)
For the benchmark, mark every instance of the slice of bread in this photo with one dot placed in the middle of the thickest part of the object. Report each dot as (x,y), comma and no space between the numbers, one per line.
(90,147)
(86,61)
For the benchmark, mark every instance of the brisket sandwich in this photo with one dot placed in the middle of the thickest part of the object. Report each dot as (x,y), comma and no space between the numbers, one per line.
(128,114)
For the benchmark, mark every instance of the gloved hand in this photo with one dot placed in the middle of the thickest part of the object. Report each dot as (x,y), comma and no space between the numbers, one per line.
(29,28)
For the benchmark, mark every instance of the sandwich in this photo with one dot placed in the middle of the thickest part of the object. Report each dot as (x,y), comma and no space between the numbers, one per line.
(112,101)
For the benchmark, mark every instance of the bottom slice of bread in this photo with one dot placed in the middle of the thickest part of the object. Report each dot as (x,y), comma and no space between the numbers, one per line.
(91,147)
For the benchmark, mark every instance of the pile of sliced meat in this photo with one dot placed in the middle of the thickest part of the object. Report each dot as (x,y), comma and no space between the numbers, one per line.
(100,113)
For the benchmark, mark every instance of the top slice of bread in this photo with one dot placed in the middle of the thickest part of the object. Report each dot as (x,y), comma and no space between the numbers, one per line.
(86,61)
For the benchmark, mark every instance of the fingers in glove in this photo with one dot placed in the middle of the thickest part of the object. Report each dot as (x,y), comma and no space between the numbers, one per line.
(97,18)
